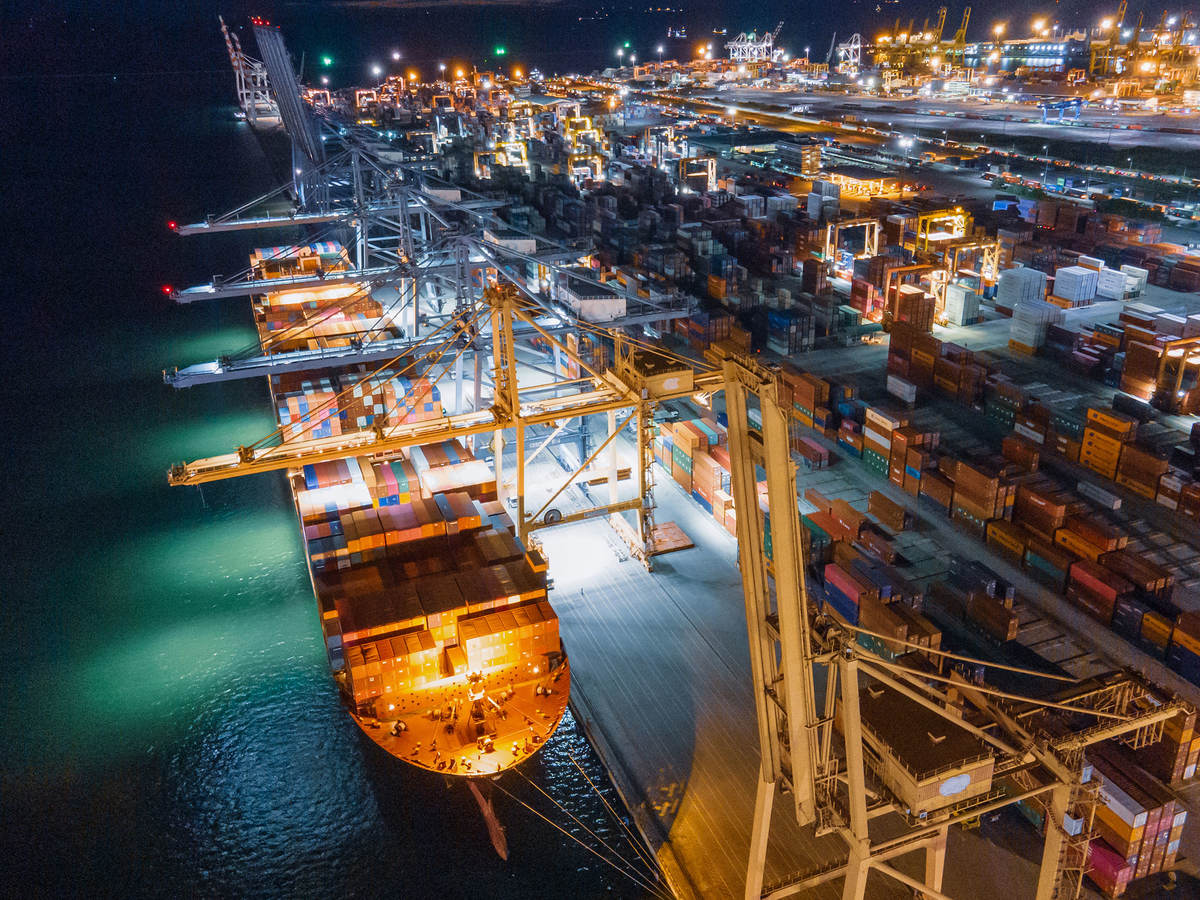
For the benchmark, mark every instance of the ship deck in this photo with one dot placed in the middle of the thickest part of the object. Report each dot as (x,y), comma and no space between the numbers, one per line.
(434,738)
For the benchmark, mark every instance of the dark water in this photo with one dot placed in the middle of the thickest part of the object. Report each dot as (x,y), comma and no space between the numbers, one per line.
(169,726)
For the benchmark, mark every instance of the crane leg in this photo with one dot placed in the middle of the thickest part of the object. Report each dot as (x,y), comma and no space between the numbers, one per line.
(1048,874)
(764,800)
(935,860)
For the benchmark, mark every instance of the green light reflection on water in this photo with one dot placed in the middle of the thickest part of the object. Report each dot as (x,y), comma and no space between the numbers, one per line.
(168,625)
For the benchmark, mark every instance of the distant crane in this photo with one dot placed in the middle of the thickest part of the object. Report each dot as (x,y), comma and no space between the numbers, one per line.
(833,42)
(941,24)
(749,47)
(960,36)
(253,89)
(850,55)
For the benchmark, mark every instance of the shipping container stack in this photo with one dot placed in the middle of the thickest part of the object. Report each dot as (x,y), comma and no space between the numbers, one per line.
(1137,823)
(390,606)
(1059,538)
(962,305)
(1017,286)
(790,331)
(309,409)
(1030,321)
(403,550)
(1074,286)
(912,306)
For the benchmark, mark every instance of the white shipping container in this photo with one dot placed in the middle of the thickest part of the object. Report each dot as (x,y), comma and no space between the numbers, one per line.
(905,390)
(1018,285)
(1099,495)
(1138,279)
(1144,309)
(1075,283)
(1112,284)
(1168,323)
(1027,432)
(878,438)
(883,422)
(1127,809)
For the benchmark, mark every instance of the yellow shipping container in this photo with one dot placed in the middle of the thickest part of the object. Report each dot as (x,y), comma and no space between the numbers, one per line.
(1076,544)
(1188,641)
(1156,629)
(1140,488)
(1112,420)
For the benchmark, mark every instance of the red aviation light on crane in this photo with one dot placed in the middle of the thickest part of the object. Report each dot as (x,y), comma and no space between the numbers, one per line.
(172,224)
(166,289)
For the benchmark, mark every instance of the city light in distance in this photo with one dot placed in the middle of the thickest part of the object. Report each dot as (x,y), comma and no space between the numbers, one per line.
(376,70)
(998,29)
(327,60)
(396,55)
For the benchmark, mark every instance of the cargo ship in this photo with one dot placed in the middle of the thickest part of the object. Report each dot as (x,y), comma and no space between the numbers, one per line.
(435,617)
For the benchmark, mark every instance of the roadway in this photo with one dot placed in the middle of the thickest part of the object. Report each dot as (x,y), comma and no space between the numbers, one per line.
(931,117)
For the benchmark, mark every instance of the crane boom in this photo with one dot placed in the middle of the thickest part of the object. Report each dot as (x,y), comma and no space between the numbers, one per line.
(960,36)
(611,391)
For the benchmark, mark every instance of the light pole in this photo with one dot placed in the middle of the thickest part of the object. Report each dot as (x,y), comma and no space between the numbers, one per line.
(1045,165)
(659,48)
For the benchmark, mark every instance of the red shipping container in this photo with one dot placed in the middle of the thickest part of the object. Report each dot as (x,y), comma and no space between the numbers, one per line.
(1108,869)
(1099,580)
(843,582)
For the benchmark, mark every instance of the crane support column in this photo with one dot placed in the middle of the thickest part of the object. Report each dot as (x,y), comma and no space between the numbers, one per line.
(754,574)
(781,660)
(1056,810)
(791,601)
(458,384)
(935,860)
(764,802)
(859,865)
(645,459)
(612,458)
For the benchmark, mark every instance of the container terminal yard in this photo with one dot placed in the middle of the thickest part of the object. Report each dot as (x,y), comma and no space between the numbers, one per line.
(853,461)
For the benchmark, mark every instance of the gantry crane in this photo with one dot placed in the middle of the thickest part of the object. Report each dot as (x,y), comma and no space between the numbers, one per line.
(958,43)
(834,749)
(1104,52)
(833,233)
(941,25)
(640,378)
(253,90)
